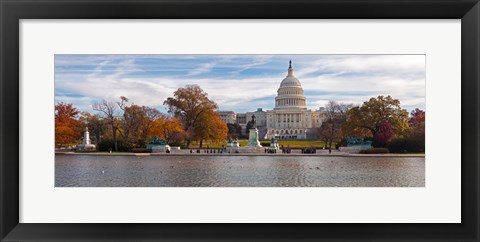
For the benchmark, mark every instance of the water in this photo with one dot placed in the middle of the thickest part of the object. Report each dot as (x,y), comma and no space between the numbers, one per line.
(238,171)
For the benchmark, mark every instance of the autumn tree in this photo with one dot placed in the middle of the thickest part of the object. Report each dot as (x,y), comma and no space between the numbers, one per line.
(150,115)
(415,141)
(189,104)
(136,122)
(210,127)
(366,119)
(329,132)
(167,128)
(67,125)
(417,122)
(335,116)
(384,134)
(132,122)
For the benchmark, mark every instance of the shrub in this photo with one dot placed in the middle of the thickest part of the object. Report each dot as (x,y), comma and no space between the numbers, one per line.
(106,145)
(408,144)
(265,144)
(177,143)
(140,144)
(375,151)
(397,145)
(416,144)
(343,142)
(140,150)
(85,151)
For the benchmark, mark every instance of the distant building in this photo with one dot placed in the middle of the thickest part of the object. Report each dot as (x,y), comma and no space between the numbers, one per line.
(290,119)
(228,117)
(241,118)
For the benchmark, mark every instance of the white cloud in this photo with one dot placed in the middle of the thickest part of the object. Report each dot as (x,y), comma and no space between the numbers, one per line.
(351,79)
(368,64)
(204,68)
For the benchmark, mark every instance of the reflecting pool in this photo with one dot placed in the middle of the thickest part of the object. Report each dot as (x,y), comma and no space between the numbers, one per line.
(237,171)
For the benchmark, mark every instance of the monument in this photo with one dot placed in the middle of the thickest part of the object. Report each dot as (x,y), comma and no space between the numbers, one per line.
(232,145)
(253,135)
(274,144)
(355,145)
(86,143)
(157,145)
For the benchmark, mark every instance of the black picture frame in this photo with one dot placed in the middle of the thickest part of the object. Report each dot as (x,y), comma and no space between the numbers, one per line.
(12,11)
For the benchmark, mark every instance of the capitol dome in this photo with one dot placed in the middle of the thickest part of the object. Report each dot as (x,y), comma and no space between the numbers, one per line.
(290,81)
(290,93)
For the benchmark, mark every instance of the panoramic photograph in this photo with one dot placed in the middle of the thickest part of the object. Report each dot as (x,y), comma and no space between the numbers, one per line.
(239,120)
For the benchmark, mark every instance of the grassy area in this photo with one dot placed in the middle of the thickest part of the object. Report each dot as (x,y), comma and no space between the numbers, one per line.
(303,143)
(214,145)
(296,144)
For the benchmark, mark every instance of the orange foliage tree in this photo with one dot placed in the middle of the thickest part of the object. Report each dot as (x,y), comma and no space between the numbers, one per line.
(67,125)
(191,105)
(210,127)
(169,129)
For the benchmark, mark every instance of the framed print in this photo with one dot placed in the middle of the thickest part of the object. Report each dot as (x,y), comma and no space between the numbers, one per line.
(238,120)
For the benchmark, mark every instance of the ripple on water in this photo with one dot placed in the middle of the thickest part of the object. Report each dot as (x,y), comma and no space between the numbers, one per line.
(238,171)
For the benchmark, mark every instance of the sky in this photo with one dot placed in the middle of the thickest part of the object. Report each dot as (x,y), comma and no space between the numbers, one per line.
(238,83)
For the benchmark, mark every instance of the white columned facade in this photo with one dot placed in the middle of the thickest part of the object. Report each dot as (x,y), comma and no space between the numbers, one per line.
(290,118)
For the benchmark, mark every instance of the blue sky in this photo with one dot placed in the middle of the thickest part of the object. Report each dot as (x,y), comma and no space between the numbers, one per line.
(238,82)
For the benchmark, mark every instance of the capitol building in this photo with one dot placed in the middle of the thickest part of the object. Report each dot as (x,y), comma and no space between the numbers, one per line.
(290,119)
